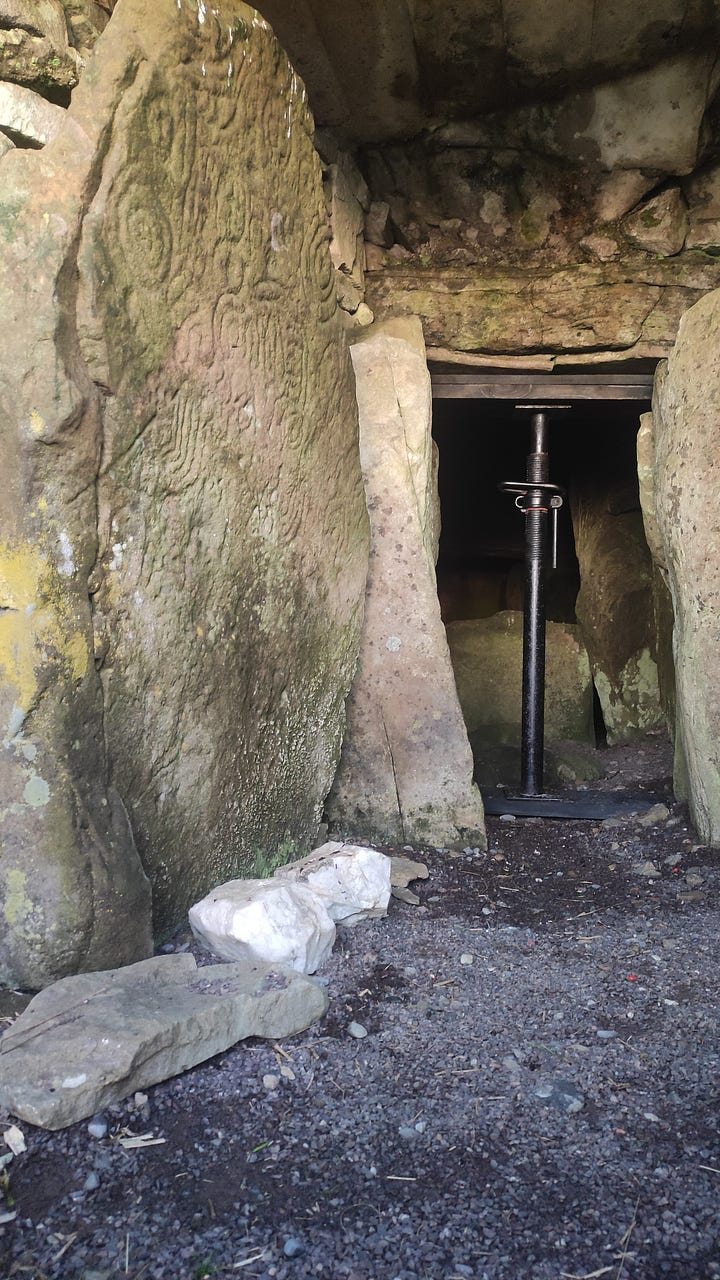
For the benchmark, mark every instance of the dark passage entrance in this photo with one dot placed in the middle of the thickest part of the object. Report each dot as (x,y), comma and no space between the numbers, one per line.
(483,438)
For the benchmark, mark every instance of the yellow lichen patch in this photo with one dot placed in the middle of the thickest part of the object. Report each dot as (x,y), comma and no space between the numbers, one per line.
(20,575)
(37,423)
(78,655)
(35,623)
(17,905)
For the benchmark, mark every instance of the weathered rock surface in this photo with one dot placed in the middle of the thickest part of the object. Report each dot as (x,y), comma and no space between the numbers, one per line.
(405,773)
(663,616)
(659,225)
(27,118)
(619,191)
(33,45)
(405,870)
(346,198)
(91,1040)
(275,921)
(39,18)
(351,881)
(615,610)
(184,510)
(346,192)
(587,308)
(378,230)
(651,119)
(703,195)
(86,19)
(486,655)
(686,418)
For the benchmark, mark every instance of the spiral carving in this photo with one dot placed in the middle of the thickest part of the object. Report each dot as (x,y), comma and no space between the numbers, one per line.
(144,232)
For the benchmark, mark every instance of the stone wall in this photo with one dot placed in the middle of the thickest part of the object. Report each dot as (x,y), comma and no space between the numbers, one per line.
(578,223)
(184,537)
(523,256)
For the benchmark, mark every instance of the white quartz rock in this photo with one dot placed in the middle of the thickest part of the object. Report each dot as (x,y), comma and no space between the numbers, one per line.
(270,920)
(352,882)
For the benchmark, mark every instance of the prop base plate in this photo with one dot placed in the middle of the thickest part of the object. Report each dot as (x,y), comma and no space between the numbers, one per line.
(580,804)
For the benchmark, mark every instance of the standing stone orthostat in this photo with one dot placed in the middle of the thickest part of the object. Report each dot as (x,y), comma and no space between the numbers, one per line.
(686,482)
(406,768)
(183,546)
(615,606)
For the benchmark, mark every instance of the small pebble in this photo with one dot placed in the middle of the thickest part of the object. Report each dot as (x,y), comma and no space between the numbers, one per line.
(605,1033)
(693,895)
(407,1131)
(467,957)
(561,1094)
(292,1248)
(508,817)
(97,1127)
(357,1030)
(271,1082)
(647,869)
(92,1182)
(658,813)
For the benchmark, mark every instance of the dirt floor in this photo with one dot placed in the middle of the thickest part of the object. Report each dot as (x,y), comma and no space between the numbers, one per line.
(536,1097)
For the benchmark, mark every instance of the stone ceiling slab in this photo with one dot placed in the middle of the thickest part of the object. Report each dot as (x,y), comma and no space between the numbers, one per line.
(386,71)
(371,88)
(462,58)
(650,120)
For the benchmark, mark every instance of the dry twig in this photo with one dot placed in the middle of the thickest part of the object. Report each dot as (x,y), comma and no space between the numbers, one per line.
(625,1242)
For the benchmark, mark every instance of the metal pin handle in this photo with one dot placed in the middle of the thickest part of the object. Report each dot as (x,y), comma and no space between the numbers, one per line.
(555,505)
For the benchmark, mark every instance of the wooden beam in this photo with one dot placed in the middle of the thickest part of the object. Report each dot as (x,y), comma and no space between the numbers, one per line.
(491,385)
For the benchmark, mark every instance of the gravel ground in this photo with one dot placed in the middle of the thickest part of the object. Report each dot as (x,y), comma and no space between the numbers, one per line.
(536,1095)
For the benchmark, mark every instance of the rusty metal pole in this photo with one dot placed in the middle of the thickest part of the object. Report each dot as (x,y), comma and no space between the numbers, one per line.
(537,508)
(539,501)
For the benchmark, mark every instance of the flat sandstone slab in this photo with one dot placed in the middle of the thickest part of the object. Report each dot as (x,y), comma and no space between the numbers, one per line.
(91,1040)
